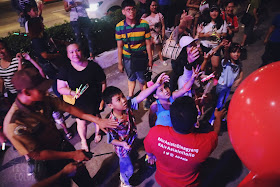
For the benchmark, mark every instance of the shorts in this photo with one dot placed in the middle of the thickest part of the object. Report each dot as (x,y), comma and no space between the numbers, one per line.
(139,75)
(207,49)
(248,30)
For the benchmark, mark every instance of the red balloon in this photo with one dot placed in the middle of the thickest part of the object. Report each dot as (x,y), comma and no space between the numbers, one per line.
(254,120)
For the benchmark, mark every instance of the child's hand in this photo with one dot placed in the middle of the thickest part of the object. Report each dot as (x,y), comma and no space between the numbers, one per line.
(208,55)
(236,84)
(152,159)
(126,146)
(26,56)
(162,79)
(19,56)
(195,72)
(220,114)
(193,54)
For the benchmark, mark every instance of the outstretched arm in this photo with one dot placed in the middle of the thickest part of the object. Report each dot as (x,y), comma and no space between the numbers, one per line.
(145,93)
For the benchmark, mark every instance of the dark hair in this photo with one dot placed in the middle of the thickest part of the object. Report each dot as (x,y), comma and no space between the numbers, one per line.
(148,4)
(28,8)
(206,18)
(35,27)
(183,114)
(225,4)
(234,47)
(109,93)
(126,3)
(5,45)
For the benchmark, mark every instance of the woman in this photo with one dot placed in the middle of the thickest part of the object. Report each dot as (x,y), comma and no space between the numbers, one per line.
(157,26)
(10,65)
(75,75)
(213,30)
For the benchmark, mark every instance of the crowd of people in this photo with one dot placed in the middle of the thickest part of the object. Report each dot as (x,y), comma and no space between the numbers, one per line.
(37,91)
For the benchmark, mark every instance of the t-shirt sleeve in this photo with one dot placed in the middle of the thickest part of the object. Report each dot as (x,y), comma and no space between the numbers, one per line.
(147,141)
(147,30)
(235,22)
(161,17)
(23,142)
(62,74)
(224,29)
(100,75)
(118,34)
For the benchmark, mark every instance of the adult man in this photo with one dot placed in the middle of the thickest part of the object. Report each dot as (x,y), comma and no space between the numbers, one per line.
(177,150)
(133,36)
(31,129)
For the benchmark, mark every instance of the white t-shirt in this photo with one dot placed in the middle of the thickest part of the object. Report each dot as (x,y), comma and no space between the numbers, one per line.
(211,27)
(78,11)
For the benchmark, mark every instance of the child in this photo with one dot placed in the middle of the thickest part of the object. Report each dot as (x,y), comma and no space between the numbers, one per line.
(159,110)
(122,137)
(232,68)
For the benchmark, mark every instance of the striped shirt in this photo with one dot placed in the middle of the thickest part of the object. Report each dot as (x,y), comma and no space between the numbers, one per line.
(7,73)
(137,35)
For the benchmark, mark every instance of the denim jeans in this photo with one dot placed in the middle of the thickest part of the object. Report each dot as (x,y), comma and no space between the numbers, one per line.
(139,75)
(126,169)
(83,25)
(223,92)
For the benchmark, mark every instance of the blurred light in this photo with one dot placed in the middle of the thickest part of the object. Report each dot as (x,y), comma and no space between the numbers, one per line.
(257,78)
(93,7)
(241,91)
(272,103)
(248,101)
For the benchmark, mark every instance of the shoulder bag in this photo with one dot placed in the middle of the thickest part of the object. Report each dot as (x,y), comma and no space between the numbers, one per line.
(138,59)
(246,18)
(171,49)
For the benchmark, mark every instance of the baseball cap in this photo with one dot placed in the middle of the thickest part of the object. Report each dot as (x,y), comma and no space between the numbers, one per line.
(186,40)
(214,7)
(30,78)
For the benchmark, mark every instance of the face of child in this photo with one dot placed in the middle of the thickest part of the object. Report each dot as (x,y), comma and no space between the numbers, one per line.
(229,8)
(163,92)
(235,55)
(214,14)
(153,7)
(33,13)
(129,12)
(74,53)
(119,102)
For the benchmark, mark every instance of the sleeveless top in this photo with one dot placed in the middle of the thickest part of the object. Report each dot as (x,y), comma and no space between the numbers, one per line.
(163,115)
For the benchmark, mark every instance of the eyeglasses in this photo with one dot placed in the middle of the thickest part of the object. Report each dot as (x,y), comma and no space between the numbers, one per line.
(130,9)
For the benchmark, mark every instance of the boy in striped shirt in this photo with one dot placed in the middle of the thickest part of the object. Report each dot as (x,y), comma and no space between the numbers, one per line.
(139,35)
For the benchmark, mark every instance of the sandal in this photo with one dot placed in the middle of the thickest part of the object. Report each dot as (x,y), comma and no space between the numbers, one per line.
(69,135)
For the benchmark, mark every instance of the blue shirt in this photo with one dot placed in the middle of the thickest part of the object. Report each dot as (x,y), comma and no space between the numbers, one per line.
(229,73)
(275,35)
(163,115)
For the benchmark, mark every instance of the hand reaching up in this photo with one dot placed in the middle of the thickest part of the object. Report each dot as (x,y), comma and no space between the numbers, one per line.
(162,79)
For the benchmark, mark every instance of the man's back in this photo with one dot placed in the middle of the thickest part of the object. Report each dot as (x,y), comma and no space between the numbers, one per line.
(178,155)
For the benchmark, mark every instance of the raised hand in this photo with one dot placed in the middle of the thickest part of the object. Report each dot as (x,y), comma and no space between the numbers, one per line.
(162,79)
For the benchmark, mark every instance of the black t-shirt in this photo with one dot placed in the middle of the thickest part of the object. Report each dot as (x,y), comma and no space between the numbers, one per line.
(40,45)
(93,75)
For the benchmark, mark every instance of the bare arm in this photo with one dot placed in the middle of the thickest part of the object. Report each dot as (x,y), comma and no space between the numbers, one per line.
(57,155)
(119,143)
(145,93)
(163,27)
(67,7)
(152,114)
(68,170)
(219,116)
(255,13)
(149,50)
(63,88)
(35,64)
(49,56)
(120,53)
(270,30)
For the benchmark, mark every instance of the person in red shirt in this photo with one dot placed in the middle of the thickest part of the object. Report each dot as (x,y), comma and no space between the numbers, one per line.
(231,19)
(178,151)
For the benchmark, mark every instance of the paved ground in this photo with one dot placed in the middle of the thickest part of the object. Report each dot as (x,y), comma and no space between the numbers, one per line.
(224,166)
